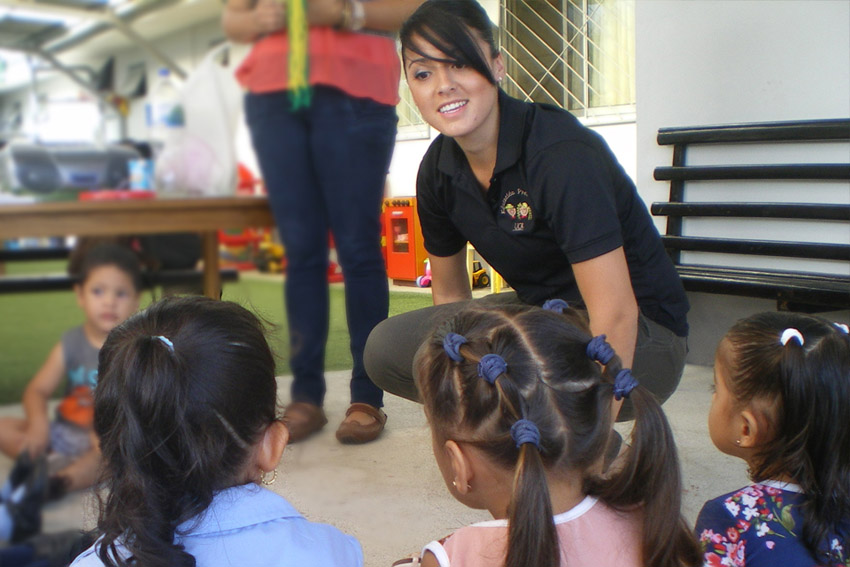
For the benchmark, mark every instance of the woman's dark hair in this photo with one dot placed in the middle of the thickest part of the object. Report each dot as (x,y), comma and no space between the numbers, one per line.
(551,381)
(185,390)
(108,254)
(806,388)
(451,26)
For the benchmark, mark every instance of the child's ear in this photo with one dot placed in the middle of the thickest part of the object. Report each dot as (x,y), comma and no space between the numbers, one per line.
(272,445)
(461,467)
(751,430)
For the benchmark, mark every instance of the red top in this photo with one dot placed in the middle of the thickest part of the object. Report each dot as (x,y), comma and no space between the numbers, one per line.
(363,65)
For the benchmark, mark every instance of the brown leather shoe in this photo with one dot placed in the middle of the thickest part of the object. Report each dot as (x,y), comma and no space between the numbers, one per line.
(303,419)
(352,433)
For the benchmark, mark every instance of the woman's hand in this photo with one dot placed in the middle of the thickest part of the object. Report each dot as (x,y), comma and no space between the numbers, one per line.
(269,16)
(245,22)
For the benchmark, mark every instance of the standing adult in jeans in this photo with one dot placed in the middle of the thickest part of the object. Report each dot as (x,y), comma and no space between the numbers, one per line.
(541,198)
(322,80)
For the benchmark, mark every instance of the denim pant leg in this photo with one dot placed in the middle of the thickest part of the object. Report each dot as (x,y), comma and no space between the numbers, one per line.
(355,138)
(281,141)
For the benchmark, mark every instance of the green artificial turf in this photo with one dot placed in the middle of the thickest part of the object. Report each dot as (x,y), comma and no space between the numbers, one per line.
(31,323)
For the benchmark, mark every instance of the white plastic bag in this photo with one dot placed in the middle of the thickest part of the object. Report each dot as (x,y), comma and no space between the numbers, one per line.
(203,160)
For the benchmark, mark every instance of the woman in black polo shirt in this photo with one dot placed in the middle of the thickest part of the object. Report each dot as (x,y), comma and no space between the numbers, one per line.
(540,197)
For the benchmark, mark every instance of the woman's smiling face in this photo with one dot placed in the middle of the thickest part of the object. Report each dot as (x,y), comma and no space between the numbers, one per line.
(455,99)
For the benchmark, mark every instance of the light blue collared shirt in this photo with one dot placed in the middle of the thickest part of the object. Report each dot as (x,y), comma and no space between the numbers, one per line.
(249,526)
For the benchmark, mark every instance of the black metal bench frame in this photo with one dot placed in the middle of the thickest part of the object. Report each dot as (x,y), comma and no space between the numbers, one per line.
(793,290)
(61,282)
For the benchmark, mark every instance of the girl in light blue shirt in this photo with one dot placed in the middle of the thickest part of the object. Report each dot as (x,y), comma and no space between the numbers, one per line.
(186,411)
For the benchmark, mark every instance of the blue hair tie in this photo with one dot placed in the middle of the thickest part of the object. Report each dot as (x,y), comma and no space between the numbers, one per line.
(491,366)
(451,344)
(164,340)
(624,383)
(556,305)
(525,431)
(599,350)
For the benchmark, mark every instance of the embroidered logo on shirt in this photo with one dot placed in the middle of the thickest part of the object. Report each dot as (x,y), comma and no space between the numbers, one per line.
(516,209)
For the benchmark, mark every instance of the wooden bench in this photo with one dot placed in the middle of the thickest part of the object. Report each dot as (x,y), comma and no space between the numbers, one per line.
(723,230)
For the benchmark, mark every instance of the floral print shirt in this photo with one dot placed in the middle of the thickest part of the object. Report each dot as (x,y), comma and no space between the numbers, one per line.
(761,526)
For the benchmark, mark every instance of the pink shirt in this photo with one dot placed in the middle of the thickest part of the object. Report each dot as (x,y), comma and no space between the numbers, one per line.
(591,535)
(360,64)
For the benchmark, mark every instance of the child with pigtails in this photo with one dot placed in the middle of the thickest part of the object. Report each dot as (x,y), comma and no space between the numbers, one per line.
(519,400)
(781,403)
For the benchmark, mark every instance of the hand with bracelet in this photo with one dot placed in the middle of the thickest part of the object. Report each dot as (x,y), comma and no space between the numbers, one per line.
(348,15)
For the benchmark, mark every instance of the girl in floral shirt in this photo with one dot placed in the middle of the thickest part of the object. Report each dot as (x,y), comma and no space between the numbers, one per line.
(781,403)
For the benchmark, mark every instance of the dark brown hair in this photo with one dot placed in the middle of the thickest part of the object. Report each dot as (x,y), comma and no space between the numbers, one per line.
(806,388)
(177,422)
(448,25)
(551,381)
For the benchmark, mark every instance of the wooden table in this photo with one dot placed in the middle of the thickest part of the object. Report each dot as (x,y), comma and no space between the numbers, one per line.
(149,216)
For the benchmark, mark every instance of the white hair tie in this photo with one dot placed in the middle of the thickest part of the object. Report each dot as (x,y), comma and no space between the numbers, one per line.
(843,327)
(164,340)
(790,333)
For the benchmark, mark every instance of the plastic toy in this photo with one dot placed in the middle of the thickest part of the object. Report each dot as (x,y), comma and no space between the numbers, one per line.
(479,275)
(425,281)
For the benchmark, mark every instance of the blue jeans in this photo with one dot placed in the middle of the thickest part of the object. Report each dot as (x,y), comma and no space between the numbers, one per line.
(325,168)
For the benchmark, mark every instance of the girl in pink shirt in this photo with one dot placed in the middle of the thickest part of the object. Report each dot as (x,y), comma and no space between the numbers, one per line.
(519,400)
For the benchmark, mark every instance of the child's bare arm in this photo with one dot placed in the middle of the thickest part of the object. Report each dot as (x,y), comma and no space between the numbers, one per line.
(36,396)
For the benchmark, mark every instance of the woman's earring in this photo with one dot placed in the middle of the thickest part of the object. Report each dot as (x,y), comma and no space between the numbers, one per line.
(265,481)
(738,442)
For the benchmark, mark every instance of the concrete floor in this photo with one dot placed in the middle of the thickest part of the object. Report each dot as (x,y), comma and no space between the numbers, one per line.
(390,495)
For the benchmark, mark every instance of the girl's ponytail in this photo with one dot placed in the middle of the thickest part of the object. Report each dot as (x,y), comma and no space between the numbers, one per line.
(152,392)
(532,539)
(648,476)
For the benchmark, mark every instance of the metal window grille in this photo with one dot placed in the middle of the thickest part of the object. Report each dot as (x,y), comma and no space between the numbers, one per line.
(577,54)
(410,123)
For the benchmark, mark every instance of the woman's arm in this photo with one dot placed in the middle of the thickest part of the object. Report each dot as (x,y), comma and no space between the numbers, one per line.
(449,278)
(244,21)
(606,289)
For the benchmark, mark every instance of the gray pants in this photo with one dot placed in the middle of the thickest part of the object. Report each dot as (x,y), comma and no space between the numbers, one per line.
(658,363)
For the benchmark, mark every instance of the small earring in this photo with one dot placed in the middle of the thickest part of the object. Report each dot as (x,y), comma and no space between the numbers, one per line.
(468,486)
(738,442)
(265,481)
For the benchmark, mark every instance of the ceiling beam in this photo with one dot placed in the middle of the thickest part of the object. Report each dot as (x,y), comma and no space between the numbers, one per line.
(105,20)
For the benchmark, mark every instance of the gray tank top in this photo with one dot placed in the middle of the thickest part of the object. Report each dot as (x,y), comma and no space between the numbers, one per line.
(80,359)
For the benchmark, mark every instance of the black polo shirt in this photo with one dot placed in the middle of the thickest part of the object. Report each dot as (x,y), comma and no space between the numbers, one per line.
(558,196)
